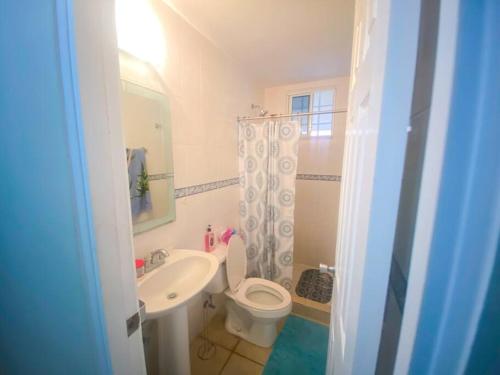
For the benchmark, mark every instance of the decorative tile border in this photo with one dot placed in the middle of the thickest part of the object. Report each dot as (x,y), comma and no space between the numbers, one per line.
(160,176)
(203,188)
(318,177)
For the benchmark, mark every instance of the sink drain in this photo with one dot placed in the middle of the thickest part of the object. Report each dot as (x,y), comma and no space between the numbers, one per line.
(171,295)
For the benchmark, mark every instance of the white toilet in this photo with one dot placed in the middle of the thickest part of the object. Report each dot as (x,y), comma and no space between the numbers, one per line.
(255,305)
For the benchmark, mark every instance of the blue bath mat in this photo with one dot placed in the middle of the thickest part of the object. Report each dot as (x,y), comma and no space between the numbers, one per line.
(300,349)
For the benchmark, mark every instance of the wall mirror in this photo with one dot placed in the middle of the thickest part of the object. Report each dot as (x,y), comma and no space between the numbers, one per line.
(147,132)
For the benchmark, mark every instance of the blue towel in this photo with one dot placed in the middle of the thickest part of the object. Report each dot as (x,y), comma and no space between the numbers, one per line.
(140,196)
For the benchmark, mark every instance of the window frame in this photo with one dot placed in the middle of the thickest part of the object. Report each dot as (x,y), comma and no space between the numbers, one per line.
(311,92)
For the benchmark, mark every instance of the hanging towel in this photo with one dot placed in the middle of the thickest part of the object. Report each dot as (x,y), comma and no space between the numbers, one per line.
(140,196)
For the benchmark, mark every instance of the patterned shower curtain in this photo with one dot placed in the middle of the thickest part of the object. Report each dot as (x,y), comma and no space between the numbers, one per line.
(268,166)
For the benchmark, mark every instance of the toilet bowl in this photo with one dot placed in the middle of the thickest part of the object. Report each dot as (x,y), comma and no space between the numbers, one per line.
(255,305)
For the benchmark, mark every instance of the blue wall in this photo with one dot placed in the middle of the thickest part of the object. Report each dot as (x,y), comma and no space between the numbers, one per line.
(51,319)
(485,355)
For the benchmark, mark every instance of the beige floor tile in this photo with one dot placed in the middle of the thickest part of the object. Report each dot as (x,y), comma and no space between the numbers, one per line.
(238,365)
(311,314)
(218,334)
(211,366)
(254,352)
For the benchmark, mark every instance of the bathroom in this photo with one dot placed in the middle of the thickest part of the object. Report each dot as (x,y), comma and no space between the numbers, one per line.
(249,187)
(209,81)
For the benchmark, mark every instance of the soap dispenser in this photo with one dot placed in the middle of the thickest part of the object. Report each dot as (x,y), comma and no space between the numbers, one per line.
(209,239)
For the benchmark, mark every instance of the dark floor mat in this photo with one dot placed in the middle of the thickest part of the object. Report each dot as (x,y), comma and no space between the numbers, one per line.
(315,286)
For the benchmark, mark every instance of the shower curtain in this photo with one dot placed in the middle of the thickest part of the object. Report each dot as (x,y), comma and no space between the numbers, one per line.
(268,166)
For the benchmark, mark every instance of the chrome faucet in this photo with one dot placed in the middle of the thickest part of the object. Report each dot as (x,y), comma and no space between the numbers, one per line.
(155,259)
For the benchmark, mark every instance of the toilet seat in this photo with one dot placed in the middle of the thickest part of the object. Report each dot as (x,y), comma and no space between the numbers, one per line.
(261,297)
(261,294)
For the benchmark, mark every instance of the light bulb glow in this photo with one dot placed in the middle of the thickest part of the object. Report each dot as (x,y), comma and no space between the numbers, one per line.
(139,31)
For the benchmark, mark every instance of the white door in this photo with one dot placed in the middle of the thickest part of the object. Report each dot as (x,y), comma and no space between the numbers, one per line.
(98,72)
(382,74)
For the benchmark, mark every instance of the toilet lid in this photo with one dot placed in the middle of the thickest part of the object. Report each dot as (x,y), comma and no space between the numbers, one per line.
(236,262)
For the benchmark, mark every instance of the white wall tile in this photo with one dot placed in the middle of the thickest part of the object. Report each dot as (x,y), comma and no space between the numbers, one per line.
(316,203)
(206,90)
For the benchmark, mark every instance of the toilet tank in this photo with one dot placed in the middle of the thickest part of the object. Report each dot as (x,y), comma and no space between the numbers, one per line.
(219,283)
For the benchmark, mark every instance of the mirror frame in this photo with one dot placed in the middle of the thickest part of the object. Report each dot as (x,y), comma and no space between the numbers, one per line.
(140,78)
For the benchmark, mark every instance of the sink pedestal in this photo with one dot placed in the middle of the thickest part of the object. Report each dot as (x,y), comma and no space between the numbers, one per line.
(173,339)
(166,291)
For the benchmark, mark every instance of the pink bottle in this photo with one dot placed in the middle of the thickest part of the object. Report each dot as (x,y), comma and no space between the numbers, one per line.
(209,239)
(226,235)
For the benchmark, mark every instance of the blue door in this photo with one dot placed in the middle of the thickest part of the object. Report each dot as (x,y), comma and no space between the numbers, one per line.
(51,316)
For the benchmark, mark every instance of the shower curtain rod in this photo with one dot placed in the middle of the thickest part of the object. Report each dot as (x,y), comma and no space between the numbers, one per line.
(242,118)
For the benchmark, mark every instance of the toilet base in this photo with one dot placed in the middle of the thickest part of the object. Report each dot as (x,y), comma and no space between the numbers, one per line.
(258,331)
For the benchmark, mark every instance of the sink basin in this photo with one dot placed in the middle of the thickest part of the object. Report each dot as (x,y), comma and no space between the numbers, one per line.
(183,275)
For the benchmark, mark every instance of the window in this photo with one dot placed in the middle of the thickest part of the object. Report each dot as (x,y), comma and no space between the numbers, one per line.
(317,101)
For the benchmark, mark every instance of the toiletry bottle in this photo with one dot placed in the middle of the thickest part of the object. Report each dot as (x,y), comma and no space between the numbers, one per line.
(209,239)
(139,267)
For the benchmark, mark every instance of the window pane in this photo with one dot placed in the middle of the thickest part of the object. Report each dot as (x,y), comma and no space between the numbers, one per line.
(323,100)
(300,104)
(322,124)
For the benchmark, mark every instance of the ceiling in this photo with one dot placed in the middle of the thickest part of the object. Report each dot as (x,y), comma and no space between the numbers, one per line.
(277,41)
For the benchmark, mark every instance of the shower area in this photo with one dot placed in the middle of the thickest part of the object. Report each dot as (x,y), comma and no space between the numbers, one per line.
(290,151)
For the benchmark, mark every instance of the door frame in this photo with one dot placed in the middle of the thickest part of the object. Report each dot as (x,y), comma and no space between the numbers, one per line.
(447,351)
(83,202)
(431,178)
(457,229)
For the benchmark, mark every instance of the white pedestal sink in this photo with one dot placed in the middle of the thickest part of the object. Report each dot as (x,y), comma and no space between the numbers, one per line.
(165,292)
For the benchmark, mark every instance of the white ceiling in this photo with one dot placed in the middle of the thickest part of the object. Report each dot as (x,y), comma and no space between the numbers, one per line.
(277,41)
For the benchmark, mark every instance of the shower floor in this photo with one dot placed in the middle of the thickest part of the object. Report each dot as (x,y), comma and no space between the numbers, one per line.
(305,307)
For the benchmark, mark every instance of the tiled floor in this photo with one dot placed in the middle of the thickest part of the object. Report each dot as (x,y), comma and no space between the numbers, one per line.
(234,356)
